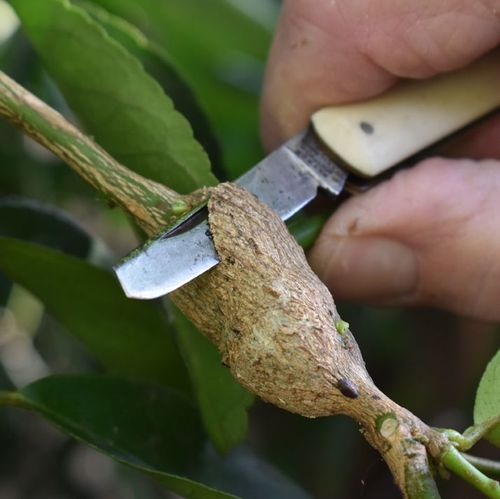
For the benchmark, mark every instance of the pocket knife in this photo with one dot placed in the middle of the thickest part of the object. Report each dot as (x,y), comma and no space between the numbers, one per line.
(343,145)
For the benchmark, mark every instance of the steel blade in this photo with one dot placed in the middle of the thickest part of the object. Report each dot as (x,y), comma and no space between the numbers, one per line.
(166,263)
(286,180)
(289,178)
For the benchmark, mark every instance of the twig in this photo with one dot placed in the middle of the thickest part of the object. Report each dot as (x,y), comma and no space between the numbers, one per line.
(403,440)
(405,443)
(458,464)
(151,205)
(487,466)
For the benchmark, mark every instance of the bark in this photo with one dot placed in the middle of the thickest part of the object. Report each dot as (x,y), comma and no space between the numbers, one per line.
(279,332)
(274,322)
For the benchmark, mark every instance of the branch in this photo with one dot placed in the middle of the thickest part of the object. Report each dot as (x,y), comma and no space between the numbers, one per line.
(274,322)
(405,442)
(279,332)
(152,205)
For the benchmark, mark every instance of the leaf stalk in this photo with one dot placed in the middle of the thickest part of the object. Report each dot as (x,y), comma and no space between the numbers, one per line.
(454,461)
(488,466)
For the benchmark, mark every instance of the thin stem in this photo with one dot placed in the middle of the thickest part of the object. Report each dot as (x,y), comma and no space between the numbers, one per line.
(487,466)
(151,205)
(473,434)
(458,464)
(456,438)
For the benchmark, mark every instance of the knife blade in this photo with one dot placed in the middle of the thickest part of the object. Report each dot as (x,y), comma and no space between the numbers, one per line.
(365,139)
(286,181)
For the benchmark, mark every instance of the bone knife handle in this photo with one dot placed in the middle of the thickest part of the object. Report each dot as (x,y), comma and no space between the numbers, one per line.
(374,135)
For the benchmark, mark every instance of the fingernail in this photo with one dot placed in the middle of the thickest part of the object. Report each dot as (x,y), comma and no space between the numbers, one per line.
(365,268)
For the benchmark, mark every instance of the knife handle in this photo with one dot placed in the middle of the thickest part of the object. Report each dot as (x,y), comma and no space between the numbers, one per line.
(372,136)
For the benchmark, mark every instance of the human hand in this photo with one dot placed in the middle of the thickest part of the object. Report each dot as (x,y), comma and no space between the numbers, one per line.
(430,234)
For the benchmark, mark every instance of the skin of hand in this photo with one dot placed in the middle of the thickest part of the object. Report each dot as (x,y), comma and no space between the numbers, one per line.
(430,235)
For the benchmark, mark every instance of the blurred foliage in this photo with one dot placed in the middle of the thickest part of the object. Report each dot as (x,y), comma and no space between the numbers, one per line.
(487,404)
(124,109)
(220,50)
(208,56)
(97,312)
(136,423)
(158,64)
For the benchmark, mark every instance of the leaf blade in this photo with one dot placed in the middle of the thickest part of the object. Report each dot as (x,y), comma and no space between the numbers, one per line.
(137,424)
(217,47)
(487,403)
(128,337)
(144,426)
(157,63)
(119,103)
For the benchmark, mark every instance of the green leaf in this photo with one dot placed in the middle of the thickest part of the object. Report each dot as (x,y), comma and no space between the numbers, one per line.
(30,220)
(222,401)
(144,426)
(487,405)
(221,51)
(306,227)
(158,64)
(119,103)
(129,337)
(246,475)
(153,430)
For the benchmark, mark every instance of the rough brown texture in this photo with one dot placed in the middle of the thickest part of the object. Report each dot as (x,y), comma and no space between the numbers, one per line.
(274,321)
(271,317)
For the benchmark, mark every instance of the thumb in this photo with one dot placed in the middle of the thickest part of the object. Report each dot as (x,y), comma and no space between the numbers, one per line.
(429,235)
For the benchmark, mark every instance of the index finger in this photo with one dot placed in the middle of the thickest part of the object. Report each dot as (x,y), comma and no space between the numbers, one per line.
(328,52)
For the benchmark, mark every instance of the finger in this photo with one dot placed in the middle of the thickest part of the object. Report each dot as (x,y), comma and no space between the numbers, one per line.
(479,142)
(329,52)
(430,235)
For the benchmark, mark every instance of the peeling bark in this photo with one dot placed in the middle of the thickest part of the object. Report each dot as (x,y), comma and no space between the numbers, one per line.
(277,328)
(273,320)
